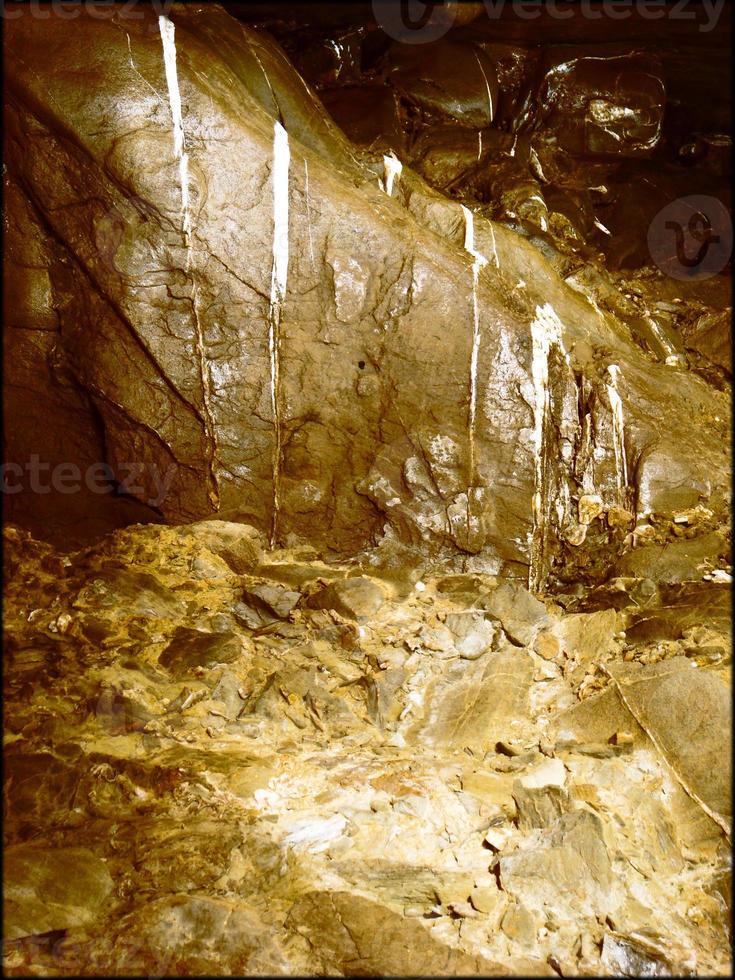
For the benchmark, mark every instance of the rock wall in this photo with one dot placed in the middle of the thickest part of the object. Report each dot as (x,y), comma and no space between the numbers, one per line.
(418,372)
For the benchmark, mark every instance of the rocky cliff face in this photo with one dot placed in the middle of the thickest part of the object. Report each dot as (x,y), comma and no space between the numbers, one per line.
(287,341)
(410,651)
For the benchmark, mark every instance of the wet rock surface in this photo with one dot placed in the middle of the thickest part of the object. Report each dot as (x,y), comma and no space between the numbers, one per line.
(494,222)
(387,631)
(410,790)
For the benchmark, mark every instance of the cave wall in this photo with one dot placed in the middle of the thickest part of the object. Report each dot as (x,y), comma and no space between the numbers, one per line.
(384,406)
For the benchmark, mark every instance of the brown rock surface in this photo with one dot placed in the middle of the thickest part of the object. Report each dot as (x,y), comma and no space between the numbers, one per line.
(685,712)
(380,623)
(165,338)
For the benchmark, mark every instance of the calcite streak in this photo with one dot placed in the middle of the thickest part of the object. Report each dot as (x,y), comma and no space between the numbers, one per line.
(616,405)
(478,262)
(308,213)
(546,333)
(168,42)
(392,171)
(487,86)
(279,277)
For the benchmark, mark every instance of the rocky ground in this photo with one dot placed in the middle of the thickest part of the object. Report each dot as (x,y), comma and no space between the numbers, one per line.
(226,760)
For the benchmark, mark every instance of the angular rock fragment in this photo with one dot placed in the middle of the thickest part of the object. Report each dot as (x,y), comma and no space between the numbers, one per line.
(539,807)
(46,889)
(356,937)
(238,544)
(118,592)
(269,602)
(476,703)
(521,614)
(520,925)
(463,83)
(474,634)
(597,719)
(190,649)
(605,106)
(357,598)
(675,561)
(688,715)
(541,796)
(571,864)
(629,957)
(588,637)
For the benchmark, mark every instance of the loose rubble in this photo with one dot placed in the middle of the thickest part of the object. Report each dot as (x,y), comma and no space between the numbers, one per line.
(281,766)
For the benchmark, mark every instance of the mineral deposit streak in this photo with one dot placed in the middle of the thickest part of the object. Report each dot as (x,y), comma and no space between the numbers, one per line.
(478,261)
(392,171)
(168,42)
(487,87)
(167,30)
(308,213)
(616,405)
(546,333)
(279,177)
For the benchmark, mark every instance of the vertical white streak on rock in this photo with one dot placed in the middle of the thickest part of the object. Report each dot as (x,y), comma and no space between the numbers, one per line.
(616,404)
(546,332)
(132,65)
(479,144)
(495,248)
(515,143)
(167,29)
(478,262)
(279,178)
(308,212)
(658,333)
(487,86)
(469,230)
(392,171)
(265,75)
(168,43)
(536,166)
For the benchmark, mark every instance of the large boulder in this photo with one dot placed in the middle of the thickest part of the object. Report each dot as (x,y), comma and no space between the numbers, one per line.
(376,375)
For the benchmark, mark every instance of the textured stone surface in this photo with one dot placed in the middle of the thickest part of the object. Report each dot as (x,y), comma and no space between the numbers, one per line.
(46,889)
(360,938)
(161,350)
(685,713)
(322,795)
(357,598)
(410,654)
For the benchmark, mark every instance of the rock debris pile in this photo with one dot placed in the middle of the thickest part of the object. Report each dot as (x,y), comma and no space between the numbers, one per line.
(226,760)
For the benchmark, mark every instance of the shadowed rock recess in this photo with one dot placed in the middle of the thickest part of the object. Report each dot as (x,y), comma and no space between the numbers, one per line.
(367,546)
